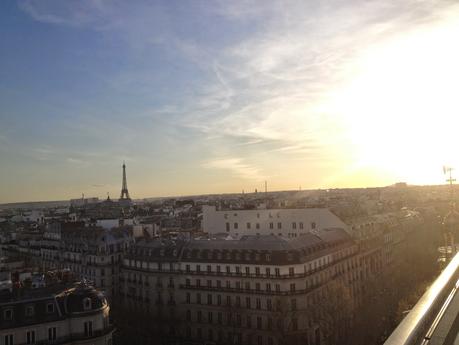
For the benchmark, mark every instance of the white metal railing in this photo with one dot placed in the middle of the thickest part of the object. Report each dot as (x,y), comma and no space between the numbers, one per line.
(414,327)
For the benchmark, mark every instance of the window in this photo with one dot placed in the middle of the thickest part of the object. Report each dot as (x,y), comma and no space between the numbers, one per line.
(257,225)
(209,299)
(228,300)
(293,225)
(198,282)
(277,287)
(219,300)
(188,268)
(219,318)
(247,285)
(259,323)
(249,321)
(188,298)
(301,225)
(294,324)
(87,304)
(30,337)
(268,287)
(269,304)
(293,304)
(292,287)
(228,269)
(271,225)
(277,271)
(247,302)
(52,333)
(88,329)
(227,227)
(291,271)
(248,225)
(9,339)
(257,271)
(188,315)
(313,225)
(198,268)
(50,308)
(198,298)
(187,282)
(209,283)
(235,225)
(209,268)
(218,268)
(219,283)
(210,317)
(268,271)
(258,303)
(238,301)
(8,314)
(199,316)
(279,225)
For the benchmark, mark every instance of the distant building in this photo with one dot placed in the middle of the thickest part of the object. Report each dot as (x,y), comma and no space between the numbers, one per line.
(83,201)
(280,222)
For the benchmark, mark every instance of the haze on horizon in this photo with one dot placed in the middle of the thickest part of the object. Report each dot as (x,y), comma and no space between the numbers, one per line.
(209,97)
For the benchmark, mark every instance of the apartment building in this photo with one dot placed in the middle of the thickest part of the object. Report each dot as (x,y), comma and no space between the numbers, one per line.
(92,253)
(58,314)
(255,290)
(281,222)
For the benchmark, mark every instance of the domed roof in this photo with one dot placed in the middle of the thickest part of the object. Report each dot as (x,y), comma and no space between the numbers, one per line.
(84,298)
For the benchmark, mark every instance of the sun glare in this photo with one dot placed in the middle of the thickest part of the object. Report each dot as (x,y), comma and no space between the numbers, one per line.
(401,107)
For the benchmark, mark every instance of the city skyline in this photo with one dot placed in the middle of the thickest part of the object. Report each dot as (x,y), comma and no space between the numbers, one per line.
(208,98)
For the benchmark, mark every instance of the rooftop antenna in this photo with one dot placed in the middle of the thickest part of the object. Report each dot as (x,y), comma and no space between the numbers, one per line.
(450,180)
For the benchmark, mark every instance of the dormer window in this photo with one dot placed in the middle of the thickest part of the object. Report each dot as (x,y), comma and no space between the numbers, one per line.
(50,308)
(87,304)
(30,310)
(8,314)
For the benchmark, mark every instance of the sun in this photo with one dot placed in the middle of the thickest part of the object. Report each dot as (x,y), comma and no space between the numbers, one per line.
(400,105)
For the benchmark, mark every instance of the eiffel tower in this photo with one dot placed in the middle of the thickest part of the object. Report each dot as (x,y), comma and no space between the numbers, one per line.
(124,189)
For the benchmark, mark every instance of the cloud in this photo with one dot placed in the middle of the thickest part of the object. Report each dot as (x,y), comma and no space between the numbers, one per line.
(274,84)
(269,86)
(237,167)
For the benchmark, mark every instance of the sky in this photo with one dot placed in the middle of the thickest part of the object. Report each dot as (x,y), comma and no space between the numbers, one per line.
(219,96)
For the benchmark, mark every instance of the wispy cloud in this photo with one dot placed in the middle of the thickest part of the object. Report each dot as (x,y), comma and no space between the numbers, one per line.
(264,86)
(237,167)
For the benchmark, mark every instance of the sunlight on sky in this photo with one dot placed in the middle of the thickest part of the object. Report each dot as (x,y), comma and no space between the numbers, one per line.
(401,107)
(214,97)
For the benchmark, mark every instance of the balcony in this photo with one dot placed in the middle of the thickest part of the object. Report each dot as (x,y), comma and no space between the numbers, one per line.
(434,319)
